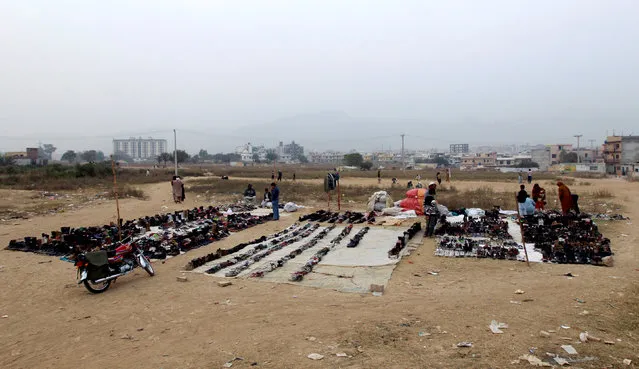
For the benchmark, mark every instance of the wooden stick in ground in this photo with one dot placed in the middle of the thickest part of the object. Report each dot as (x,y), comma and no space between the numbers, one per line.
(521,229)
(339,198)
(115,193)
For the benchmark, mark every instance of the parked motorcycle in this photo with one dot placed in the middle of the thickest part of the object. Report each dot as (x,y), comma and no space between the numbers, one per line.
(98,269)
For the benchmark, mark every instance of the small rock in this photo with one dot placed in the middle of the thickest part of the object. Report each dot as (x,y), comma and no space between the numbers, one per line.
(544,334)
(311,338)
(377,288)
(423,334)
(126,337)
(627,361)
(465,344)
(561,361)
(5,316)
(140,329)
(519,292)
(609,342)
(585,312)
(182,279)
(224,283)
(341,354)
(315,356)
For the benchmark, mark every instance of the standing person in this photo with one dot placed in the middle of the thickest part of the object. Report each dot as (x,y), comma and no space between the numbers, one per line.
(177,188)
(430,209)
(519,177)
(275,200)
(448,175)
(273,176)
(539,196)
(379,176)
(439,178)
(293,176)
(529,176)
(565,197)
(521,199)
(279,176)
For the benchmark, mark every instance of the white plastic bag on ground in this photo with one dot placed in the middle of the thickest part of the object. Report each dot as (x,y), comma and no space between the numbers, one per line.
(378,201)
(392,211)
(291,207)
(442,209)
(475,212)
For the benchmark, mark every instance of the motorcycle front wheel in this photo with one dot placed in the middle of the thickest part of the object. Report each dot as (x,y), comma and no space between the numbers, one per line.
(96,287)
(146,264)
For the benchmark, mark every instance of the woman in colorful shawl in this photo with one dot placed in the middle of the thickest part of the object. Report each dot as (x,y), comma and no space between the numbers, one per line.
(565,197)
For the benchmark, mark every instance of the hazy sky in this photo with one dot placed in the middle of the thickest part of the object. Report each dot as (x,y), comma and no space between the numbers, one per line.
(78,73)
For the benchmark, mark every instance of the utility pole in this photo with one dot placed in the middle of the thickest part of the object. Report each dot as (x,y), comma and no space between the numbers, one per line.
(175,151)
(592,143)
(578,137)
(403,165)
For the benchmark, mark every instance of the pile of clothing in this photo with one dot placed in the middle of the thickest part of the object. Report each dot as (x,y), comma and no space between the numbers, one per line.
(572,239)
(379,201)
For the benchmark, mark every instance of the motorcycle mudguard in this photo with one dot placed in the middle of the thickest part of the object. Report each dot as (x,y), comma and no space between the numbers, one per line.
(141,261)
(83,276)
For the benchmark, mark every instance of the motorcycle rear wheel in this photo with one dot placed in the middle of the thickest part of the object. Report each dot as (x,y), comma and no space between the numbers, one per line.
(96,287)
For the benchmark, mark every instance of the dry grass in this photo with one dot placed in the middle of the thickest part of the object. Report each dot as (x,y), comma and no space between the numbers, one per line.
(601,193)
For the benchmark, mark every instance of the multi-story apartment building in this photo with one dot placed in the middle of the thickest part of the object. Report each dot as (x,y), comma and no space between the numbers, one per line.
(479,160)
(621,154)
(140,148)
(459,148)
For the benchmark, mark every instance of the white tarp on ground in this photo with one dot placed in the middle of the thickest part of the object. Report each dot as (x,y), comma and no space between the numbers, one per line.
(533,255)
(343,269)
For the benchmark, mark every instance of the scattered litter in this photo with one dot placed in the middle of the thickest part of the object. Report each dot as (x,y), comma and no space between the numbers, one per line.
(229,363)
(544,334)
(585,312)
(609,342)
(182,279)
(561,361)
(341,354)
(311,338)
(519,292)
(534,360)
(565,327)
(378,294)
(627,361)
(224,283)
(315,356)
(569,349)
(515,302)
(552,331)
(580,301)
(432,272)
(423,334)
(568,275)
(496,327)
(583,337)
(126,337)
(5,316)
(465,344)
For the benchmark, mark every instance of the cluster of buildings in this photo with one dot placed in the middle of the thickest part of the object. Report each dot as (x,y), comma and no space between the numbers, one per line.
(286,153)
(140,149)
(31,156)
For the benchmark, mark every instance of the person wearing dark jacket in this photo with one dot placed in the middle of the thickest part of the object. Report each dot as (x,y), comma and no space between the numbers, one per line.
(275,199)
(250,191)
(521,199)
(430,209)
(267,197)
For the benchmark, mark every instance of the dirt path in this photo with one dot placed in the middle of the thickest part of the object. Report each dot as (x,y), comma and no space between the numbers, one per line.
(158,322)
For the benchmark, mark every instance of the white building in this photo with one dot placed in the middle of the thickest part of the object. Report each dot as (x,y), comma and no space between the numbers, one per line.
(326,157)
(140,148)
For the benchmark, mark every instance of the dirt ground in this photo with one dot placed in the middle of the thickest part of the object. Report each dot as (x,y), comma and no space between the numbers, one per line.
(157,322)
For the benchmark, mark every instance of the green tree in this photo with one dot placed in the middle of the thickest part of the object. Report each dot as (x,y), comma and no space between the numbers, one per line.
(527,163)
(367,165)
(89,156)
(99,156)
(303,159)
(271,155)
(256,158)
(353,160)
(204,155)
(567,157)
(182,156)
(69,156)
(47,150)
(164,158)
